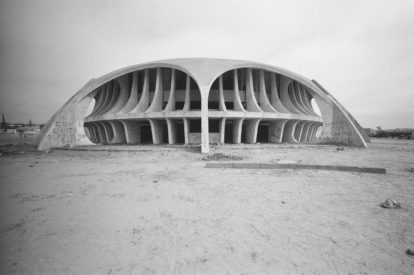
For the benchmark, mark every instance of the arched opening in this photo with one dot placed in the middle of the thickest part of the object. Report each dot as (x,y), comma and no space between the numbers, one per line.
(180,138)
(315,107)
(228,131)
(90,108)
(214,96)
(195,96)
(180,86)
(214,130)
(228,89)
(194,135)
(145,131)
(263,132)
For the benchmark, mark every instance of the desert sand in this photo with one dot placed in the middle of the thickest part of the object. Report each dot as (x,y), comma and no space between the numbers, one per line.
(157,210)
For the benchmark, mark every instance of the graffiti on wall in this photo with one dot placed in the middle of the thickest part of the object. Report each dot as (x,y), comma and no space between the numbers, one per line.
(66,132)
(337,132)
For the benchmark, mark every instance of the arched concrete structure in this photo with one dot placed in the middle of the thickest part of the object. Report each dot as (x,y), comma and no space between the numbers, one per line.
(180,99)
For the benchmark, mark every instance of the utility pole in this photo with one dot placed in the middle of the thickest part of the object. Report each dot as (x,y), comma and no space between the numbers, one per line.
(3,122)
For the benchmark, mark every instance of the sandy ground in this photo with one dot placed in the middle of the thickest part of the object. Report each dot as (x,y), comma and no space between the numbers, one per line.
(157,210)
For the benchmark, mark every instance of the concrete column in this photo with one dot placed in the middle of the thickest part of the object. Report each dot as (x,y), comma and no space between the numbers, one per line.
(237,130)
(156,104)
(315,130)
(186,130)
(238,106)
(99,98)
(143,103)
(104,100)
(157,131)
(288,132)
(123,94)
(119,132)
(275,100)
(222,104)
(133,95)
(132,131)
(112,97)
(276,130)
(102,133)
(298,130)
(308,135)
(108,131)
(295,98)
(306,98)
(96,131)
(172,131)
(251,130)
(222,129)
(284,95)
(312,132)
(301,97)
(264,101)
(251,102)
(305,131)
(171,99)
(187,94)
(204,90)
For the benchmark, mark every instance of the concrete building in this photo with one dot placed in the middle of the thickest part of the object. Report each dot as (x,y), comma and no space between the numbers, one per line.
(201,101)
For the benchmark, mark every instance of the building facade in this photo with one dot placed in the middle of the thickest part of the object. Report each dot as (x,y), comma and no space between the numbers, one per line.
(201,101)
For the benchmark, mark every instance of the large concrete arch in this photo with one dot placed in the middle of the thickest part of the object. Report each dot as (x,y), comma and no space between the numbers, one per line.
(161,95)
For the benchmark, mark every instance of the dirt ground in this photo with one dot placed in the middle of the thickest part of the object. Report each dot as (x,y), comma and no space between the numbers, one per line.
(157,210)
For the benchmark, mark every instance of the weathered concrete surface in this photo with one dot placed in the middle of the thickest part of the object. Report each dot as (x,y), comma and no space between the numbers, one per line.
(179,90)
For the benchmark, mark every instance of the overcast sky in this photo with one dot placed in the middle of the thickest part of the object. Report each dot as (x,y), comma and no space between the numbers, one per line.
(360,51)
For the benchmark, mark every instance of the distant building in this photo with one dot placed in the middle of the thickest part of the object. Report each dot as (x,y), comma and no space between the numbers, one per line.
(370,132)
(28,130)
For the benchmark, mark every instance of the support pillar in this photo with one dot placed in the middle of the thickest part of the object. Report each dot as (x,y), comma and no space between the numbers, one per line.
(251,102)
(118,131)
(156,104)
(305,132)
(264,101)
(102,134)
(251,130)
(288,135)
(238,106)
(276,130)
(222,129)
(205,148)
(143,103)
(157,131)
(186,130)
(172,131)
(237,130)
(132,131)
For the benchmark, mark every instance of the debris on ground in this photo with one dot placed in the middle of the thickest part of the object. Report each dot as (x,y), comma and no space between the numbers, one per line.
(388,203)
(220,156)
(285,161)
(340,149)
(409,252)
